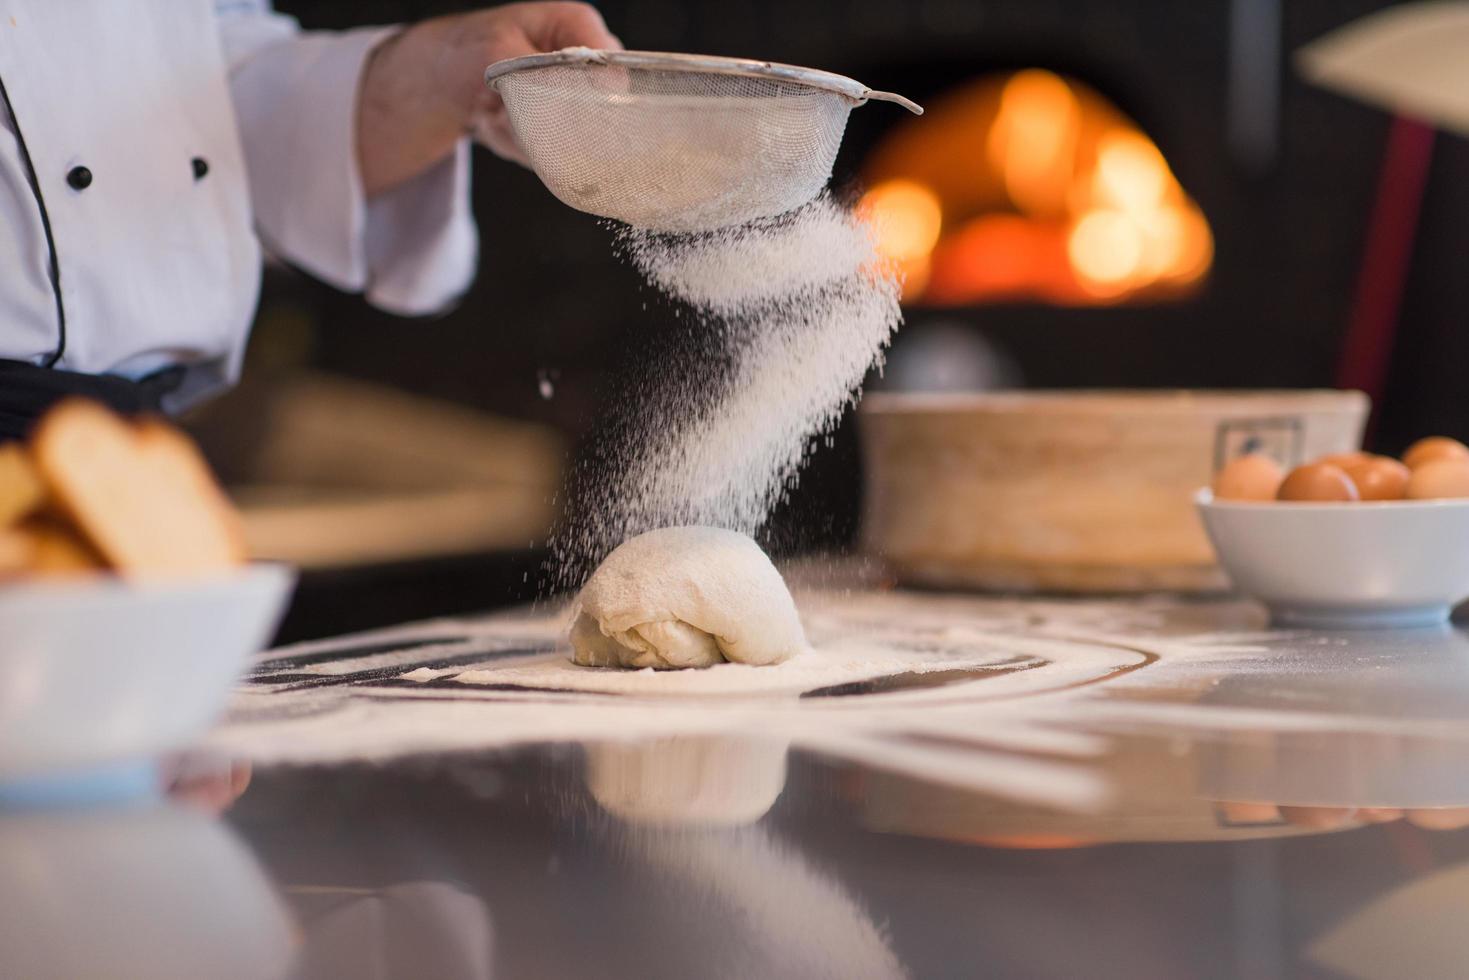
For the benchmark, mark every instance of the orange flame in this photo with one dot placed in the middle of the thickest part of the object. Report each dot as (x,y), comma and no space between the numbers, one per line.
(907,218)
(1093,212)
(1032,141)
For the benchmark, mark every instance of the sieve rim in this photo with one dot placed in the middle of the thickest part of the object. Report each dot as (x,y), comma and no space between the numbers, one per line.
(827,81)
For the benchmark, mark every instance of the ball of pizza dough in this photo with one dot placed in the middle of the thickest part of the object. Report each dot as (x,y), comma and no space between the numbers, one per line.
(685,597)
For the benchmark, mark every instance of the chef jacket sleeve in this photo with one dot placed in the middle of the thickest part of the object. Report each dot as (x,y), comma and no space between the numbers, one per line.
(413,249)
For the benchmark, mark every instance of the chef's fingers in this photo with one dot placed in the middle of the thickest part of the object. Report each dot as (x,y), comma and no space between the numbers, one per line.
(550,26)
(492,129)
(212,786)
(529,28)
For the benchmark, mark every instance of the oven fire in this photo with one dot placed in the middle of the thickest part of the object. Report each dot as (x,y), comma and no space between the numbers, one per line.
(1033,186)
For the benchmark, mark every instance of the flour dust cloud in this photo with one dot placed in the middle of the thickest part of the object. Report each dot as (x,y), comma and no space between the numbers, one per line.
(800,307)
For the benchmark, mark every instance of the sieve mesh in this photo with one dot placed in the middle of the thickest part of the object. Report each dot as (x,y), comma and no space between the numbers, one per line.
(675,150)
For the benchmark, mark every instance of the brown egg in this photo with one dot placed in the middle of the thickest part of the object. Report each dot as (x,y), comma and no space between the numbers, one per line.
(1379,478)
(1345,460)
(1439,479)
(1434,447)
(1251,477)
(1317,481)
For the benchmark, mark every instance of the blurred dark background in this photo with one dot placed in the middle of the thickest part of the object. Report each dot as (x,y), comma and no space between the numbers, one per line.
(1285,174)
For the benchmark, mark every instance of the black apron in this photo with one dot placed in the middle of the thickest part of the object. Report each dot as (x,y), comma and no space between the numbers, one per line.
(27,391)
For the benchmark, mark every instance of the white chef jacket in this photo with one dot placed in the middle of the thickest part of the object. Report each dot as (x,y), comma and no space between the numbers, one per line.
(207,127)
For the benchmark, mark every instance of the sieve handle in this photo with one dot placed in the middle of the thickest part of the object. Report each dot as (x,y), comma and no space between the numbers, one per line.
(906,103)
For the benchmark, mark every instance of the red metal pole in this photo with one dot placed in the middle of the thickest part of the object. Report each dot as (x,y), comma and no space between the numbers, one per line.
(1386,257)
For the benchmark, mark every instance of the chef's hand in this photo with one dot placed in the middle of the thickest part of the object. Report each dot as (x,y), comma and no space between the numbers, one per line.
(424,89)
(205,783)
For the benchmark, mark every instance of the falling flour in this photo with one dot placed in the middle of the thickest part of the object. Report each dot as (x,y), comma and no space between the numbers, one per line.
(801,308)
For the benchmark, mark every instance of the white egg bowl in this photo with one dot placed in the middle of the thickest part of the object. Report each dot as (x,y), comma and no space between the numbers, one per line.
(100,675)
(1378,564)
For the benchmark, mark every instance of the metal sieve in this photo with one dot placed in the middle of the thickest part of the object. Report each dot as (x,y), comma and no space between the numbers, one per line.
(678,142)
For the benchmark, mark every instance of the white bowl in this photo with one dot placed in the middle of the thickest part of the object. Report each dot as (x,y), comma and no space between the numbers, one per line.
(1345,565)
(97,675)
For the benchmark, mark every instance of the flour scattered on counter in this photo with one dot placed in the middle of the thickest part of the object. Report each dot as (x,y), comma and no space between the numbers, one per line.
(998,696)
(806,672)
(802,308)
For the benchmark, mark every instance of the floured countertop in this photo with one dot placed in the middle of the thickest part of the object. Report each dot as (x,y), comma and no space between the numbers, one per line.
(945,786)
(1011,696)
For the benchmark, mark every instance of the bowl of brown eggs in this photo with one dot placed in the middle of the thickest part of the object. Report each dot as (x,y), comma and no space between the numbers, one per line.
(1350,540)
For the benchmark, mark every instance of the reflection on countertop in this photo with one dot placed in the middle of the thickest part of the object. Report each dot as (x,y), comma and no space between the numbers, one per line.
(737,858)
(1140,788)
(142,889)
(837,870)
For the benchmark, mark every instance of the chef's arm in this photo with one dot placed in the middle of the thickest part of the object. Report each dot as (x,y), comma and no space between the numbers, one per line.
(357,142)
(424,89)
